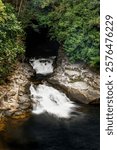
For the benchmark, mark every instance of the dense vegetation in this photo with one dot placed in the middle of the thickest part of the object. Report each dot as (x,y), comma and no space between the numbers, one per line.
(74,23)
(10,39)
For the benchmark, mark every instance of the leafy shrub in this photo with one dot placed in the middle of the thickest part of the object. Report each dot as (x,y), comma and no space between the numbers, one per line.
(74,23)
(10,35)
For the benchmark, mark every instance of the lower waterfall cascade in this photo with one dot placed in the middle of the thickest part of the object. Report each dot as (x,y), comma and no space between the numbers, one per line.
(48,99)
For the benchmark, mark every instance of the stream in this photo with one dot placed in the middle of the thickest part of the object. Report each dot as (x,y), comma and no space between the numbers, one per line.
(56,122)
(46,98)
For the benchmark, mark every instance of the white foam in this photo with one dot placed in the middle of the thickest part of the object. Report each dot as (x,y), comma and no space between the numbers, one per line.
(43,66)
(48,99)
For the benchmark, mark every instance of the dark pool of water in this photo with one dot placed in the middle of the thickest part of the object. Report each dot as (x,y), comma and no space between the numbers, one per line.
(45,132)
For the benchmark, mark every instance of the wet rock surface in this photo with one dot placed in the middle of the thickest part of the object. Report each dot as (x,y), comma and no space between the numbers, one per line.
(77,81)
(14,96)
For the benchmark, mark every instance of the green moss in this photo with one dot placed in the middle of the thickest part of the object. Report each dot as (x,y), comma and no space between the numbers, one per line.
(75,80)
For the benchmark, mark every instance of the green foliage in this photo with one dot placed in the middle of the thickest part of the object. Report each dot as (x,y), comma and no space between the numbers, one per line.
(10,35)
(74,23)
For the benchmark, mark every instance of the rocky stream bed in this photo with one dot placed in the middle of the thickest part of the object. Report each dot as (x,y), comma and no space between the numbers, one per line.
(75,80)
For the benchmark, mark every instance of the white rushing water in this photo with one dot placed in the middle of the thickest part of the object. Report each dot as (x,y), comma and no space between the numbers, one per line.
(48,99)
(43,66)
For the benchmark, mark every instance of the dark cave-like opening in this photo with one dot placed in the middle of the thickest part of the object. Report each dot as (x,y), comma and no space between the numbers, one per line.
(38,43)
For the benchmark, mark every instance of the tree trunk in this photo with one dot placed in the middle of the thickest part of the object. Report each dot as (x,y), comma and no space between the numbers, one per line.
(20,6)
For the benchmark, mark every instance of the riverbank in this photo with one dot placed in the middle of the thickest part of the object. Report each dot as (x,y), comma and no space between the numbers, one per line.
(14,95)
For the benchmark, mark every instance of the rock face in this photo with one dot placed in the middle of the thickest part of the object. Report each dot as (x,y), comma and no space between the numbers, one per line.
(78,82)
(14,99)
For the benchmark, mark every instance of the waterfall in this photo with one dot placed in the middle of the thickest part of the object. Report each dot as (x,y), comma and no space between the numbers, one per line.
(43,66)
(45,98)
(48,99)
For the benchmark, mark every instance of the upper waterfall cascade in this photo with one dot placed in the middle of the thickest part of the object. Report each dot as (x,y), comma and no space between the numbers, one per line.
(43,66)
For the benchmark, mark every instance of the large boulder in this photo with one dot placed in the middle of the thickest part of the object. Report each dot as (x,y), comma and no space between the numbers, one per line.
(82,85)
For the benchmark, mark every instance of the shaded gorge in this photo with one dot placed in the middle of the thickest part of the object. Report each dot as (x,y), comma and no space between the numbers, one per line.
(38,43)
(56,123)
